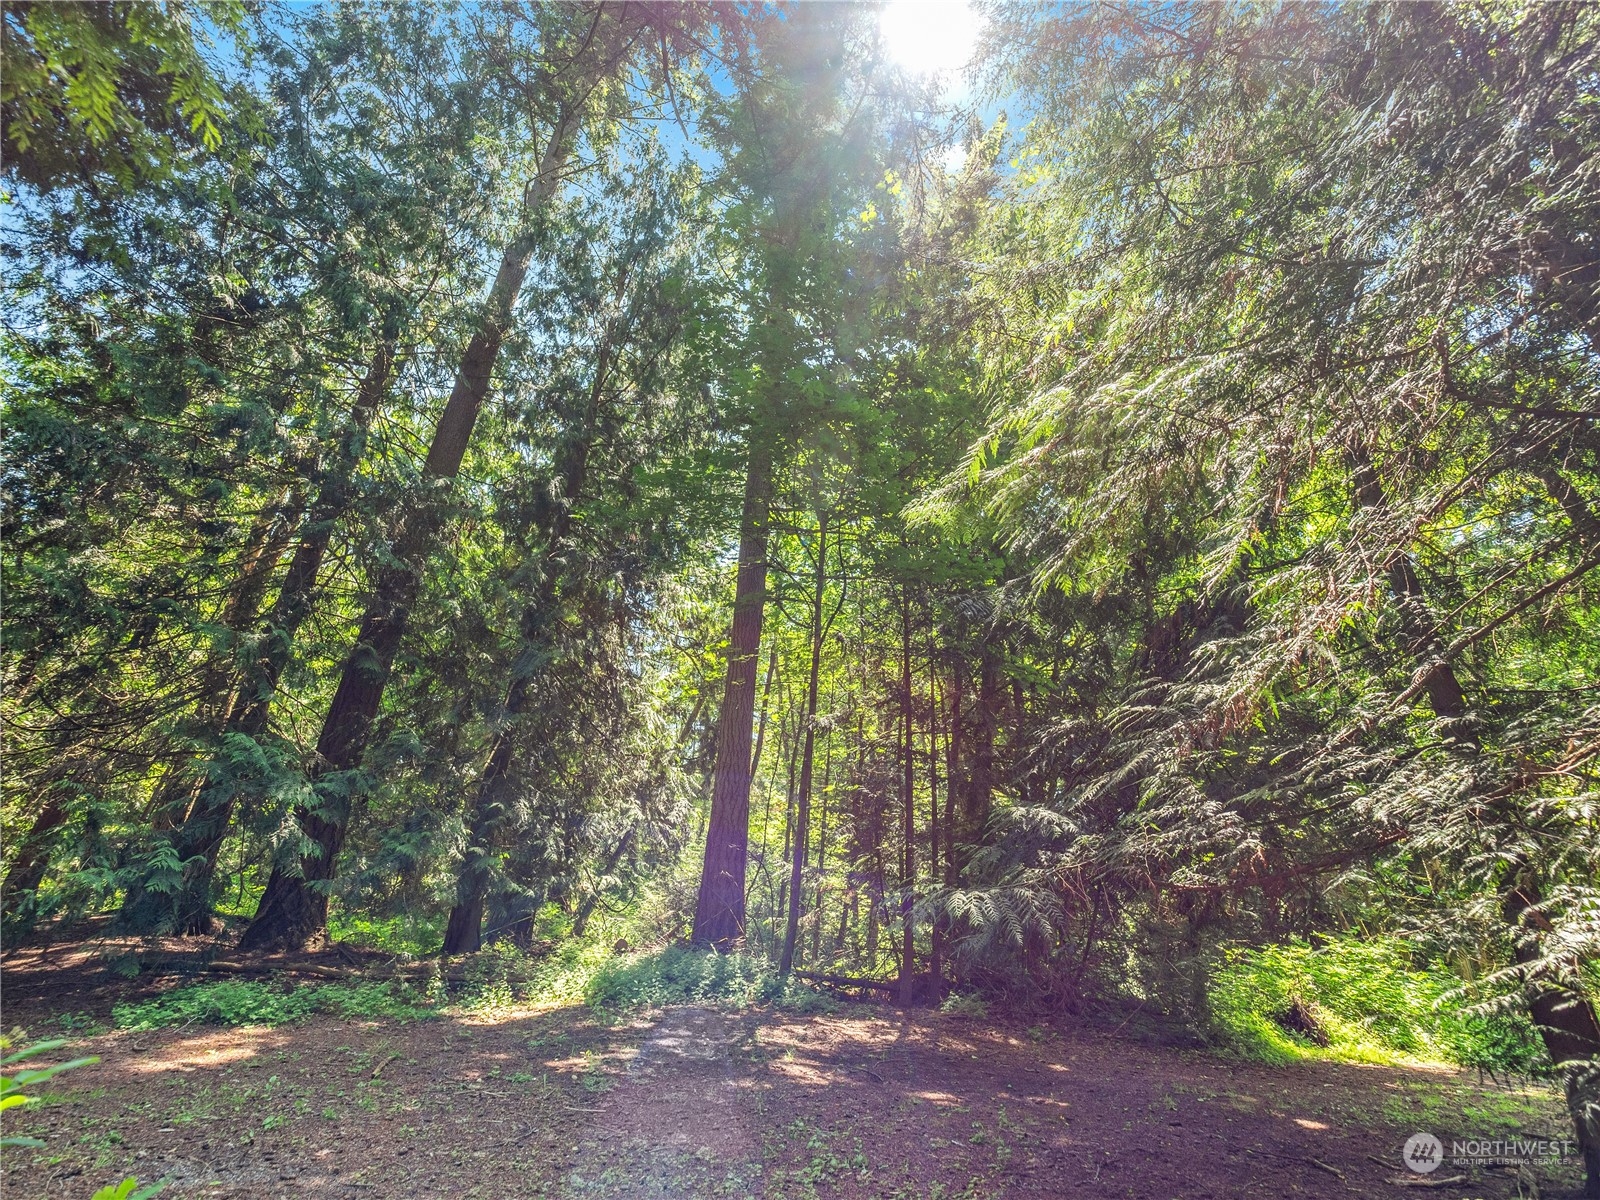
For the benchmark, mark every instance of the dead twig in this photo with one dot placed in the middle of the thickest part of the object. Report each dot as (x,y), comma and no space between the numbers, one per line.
(1322,1166)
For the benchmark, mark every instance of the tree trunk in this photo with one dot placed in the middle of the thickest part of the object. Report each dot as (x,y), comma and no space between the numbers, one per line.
(463,933)
(761,720)
(719,910)
(1565,1020)
(908,864)
(980,788)
(788,818)
(872,929)
(755,758)
(511,918)
(298,590)
(952,769)
(803,809)
(1567,1026)
(1016,739)
(27,869)
(822,851)
(936,936)
(294,907)
(586,909)
(199,839)
(183,796)
(216,688)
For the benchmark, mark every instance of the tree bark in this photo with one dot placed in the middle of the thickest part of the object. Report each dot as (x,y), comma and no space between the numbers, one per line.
(908,862)
(293,909)
(980,787)
(803,812)
(936,935)
(952,770)
(199,838)
(463,933)
(27,869)
(789,788)
(1567,1026)
(719,909)
(217,688)
(298,590)
(822,851)
(761,720)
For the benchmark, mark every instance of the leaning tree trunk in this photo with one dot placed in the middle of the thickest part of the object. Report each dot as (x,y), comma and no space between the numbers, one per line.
(719,909)
(586,909)
(293,909)
(464,931)
(182,795)
(802,823)
(198,840)
(27,869)
(216,688)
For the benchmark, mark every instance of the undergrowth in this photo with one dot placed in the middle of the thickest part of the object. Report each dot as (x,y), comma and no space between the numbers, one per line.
(498,978)
(1372,1002)
(252,1002)
(678,975)
(404,935)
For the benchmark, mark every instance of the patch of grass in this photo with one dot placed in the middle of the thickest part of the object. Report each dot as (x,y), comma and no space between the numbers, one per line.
(1369,998)
(251,1002)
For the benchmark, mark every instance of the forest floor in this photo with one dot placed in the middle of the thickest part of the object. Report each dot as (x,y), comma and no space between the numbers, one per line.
(693,1101)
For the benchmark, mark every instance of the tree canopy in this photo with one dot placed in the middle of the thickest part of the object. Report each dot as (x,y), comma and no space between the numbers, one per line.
(476,464)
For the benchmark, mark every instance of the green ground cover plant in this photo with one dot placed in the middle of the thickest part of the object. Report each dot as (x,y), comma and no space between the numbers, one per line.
(1369,998)
(256,1002)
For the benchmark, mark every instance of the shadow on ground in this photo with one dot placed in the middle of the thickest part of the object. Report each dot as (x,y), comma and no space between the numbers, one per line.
(692,1102)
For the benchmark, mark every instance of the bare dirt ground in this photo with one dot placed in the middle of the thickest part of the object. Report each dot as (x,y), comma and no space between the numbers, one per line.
(697,1102)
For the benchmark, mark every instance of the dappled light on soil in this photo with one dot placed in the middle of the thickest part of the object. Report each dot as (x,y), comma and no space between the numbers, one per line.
(692,1101)
(834,601)
(206,1051)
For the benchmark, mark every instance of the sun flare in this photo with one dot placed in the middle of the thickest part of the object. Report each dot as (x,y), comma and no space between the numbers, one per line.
(931,37)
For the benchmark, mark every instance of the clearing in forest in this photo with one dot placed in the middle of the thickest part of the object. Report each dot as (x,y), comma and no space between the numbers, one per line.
(699,1101)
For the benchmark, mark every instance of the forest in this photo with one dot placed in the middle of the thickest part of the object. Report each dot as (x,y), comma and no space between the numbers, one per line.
(1049,512)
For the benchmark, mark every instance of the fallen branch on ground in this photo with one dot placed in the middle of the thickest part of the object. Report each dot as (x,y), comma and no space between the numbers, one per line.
(850,981)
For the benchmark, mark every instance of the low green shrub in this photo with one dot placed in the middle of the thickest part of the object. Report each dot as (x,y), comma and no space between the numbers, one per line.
(409,936)
(1372,1002)
(678,975)
(251,1002)
(498,976)
(965,1004)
